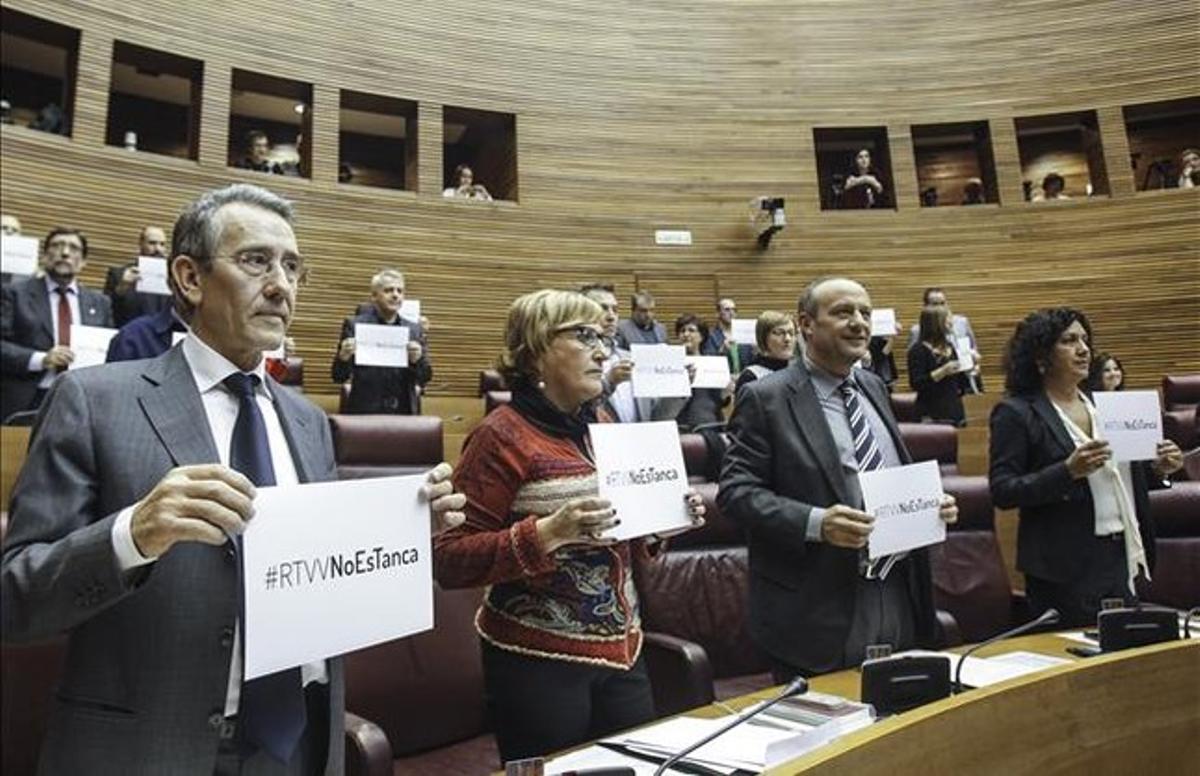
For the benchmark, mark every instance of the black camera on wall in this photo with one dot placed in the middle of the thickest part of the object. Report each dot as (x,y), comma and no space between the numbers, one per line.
(767,216)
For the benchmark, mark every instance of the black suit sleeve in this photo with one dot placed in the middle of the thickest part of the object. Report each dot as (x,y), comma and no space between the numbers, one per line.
(1022,474)
(14,357)
(341,369)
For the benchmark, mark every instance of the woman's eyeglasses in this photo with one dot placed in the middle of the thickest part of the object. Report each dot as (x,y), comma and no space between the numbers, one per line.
(588,337)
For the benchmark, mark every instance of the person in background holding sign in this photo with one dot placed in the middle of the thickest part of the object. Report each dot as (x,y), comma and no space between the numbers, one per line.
(1105,374)
(934,373)
(36,316)
(775,333)
(10,226)
(121,283)
(798,439)
(384,390)
(560,626)
(125,525)
(641,327)
(720,337)
(936,297)
(705,406)
(1085,532)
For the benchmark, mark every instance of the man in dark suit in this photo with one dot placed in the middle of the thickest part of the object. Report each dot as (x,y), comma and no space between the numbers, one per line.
(137,475)
(36,316)
(121,283)
(381,389)
(799,438)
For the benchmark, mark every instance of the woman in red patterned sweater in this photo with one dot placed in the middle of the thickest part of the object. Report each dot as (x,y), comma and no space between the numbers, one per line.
(560,627)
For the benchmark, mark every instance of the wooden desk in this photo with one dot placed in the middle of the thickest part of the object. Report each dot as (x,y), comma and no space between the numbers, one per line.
(13,441)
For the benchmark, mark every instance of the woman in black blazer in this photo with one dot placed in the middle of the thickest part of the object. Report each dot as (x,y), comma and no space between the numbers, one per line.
(1085,531)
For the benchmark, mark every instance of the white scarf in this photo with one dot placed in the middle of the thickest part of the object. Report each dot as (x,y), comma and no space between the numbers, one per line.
(1118,477)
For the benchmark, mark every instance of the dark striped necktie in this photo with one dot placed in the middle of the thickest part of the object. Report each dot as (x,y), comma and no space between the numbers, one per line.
(870,458)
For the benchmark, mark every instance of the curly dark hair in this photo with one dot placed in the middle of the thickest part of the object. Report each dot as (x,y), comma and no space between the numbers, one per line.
(1095,381)
(1028,352)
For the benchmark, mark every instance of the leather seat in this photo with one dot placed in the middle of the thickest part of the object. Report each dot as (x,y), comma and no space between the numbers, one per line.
(385,445)
(1180,391)
(1176,515)
(490,380)
(904,407)
(1182,426)
(932,442)
(695,458)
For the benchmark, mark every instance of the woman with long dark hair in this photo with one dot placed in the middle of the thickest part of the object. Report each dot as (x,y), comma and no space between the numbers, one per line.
(934,372)
(862,188)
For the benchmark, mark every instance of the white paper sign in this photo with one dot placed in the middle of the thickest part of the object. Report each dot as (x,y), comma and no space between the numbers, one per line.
(743,331)
(379,345)
(640,470)
(658,371)
(18,254)
(905,501)
(966,359)
(333,567)
(1131,421)
(152,276)
(90,344)
(410,310)
(711,371)
(883,322)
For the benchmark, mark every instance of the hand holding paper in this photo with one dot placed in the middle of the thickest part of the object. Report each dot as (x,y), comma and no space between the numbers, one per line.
(659,371)
(907,503)
(379,345)
(640,469)
(1131,422)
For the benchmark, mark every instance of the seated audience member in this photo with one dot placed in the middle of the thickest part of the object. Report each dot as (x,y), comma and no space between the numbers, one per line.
(862,188)
(775,333)
(721,336)
(382,389)
(705,405)
(257,154)
(1085,531)
(936,297)
(641,327)
(881,360)
(1189,168)
(1105,374)
(561,632)
(933,370)
(465,187)
(121,283)
(120,538)
(147,336)
(36,317)
(1052,188)
(973,193)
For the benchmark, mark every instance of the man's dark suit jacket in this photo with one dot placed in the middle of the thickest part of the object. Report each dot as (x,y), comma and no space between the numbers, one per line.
(782,461)
(1029,451)
(26,328)
(148,655)
(383,390)
(133,303)
(146,336)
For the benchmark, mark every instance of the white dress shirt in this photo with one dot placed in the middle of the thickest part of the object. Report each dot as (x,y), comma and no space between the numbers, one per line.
(209,368)
(37,359)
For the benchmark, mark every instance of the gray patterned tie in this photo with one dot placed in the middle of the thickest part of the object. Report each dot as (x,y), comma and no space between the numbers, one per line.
(869,457)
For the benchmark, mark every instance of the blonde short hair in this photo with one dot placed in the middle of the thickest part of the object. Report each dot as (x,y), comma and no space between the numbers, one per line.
(533,322)
(384,275)
(767,322)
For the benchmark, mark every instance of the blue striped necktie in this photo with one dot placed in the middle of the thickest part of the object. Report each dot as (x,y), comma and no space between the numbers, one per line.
(869,457)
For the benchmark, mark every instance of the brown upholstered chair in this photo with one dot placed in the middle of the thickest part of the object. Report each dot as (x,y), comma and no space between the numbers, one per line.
(1180,391)
(1180,426)
(1191,466)
(494,399)
(385,445)
(695,457)
(969,577)
(1176,514)
(932,442)
(490,380)
(904,407)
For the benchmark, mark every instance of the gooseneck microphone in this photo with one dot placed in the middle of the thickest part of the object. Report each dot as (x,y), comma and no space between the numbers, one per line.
(1048,617)
(798,686)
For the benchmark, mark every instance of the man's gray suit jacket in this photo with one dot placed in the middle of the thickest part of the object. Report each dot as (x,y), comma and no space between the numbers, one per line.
(148,660)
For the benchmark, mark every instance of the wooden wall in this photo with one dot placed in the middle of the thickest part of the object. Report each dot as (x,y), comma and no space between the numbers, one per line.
(634,116)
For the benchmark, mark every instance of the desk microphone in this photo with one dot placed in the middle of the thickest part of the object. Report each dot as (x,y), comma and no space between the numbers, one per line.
(1048,617)
(798,686)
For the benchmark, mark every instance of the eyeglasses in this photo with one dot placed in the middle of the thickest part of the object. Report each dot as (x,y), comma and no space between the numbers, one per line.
(588,337)
(56,246)
(259,263)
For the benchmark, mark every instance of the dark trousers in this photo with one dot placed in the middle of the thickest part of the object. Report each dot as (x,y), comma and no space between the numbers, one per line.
(1078,600)
(538,705)
(237,758)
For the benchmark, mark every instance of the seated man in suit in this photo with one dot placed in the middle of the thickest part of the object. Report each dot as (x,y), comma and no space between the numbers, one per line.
(121,283)
(641,327)
(138,474)
(381,389)
(36,316)
(799,438)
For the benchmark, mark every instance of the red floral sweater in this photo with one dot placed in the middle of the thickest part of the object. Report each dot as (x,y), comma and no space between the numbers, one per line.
(577,603)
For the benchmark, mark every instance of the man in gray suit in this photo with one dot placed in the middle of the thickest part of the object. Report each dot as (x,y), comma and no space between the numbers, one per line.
(120,525)
(799,438)
(36,316)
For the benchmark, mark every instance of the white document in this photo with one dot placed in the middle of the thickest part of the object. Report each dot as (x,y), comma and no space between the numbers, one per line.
(1131,421)
(744,331)
(966,359)
(152,276)
(332,567)
(177,337)
(906,501)
(18,254)
(658,371)
(90,344)
(410,310)
(883,322)
(640,470)
(744,747)
(986,671)
(379,345)
(711,371)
